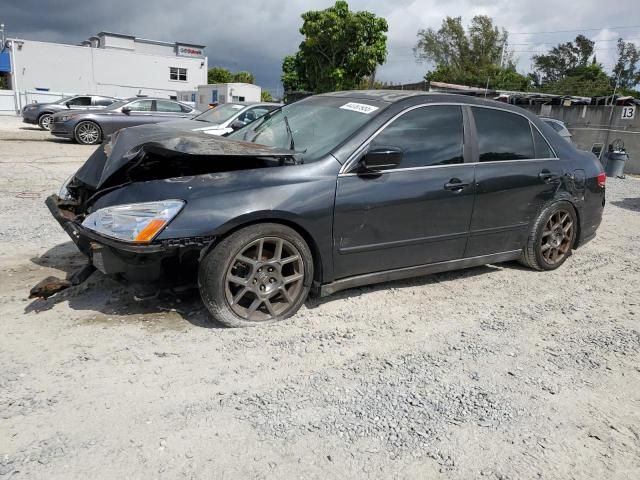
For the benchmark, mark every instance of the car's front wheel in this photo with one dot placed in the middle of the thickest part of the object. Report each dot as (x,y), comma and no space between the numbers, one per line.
(552,237)
(87,133)
(257,275)
(44,121)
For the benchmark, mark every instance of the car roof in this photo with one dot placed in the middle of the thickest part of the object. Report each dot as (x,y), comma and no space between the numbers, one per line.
(390,97)
(253,104)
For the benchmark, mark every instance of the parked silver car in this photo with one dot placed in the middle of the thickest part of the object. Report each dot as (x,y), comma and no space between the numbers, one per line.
(559,127)
(90,127)
(42,113)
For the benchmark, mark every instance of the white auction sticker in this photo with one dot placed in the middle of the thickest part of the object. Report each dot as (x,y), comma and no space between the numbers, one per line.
(359,107)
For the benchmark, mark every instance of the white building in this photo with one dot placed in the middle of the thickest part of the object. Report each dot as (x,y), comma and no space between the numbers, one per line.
(225,93)
(107,64)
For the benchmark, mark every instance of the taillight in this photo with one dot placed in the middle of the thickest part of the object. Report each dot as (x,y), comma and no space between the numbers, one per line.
(602,178)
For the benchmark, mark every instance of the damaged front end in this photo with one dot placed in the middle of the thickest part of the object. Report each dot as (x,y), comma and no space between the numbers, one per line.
(117,206)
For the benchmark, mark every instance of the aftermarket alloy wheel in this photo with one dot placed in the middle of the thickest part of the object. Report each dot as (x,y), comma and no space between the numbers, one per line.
(45,121)
(87,133)
(552,237)
(257,275)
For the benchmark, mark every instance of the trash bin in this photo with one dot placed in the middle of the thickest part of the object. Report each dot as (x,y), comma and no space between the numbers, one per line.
(614,166)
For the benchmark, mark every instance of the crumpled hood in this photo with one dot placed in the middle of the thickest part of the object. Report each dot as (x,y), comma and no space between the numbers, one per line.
(129,144)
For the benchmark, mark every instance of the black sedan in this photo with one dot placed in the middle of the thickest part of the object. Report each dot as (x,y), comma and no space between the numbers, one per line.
(42,113)
(91,127)
(332,192)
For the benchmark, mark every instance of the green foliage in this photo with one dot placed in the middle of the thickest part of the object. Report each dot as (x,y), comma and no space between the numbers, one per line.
(219,75)
(4,84)
(563,60)
(292,81)
(585,81)
(265,96)
(340,48)
(571,68)
(244,77)
(224,75)
(459,50)
(490,75)
(469,57)
(626,71)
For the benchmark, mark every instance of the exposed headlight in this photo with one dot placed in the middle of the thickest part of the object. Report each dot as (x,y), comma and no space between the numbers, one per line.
(136,222)
(64,193)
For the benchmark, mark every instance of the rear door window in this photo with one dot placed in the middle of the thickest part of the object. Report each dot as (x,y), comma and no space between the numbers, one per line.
(502,135)
(427,136)
(543,150)
(102,101)
(168,106)
(141,106)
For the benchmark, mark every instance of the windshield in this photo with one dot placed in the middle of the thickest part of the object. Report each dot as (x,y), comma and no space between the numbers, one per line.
(315,125)
(220,114)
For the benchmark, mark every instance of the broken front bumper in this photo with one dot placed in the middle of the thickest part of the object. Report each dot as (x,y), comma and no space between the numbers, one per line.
(110,256)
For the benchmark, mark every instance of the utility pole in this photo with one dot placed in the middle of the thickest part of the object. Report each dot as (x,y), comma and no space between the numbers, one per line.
(2,36)
(504,45)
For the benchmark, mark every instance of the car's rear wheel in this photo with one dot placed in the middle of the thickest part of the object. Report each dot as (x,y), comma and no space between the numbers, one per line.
(44,121)
(257,275)
(87,133)
(552,237)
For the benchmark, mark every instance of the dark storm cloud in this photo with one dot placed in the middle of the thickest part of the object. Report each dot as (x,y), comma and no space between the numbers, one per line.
(255,34)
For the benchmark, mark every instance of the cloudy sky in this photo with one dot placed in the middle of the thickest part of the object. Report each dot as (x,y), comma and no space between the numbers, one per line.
(254,35)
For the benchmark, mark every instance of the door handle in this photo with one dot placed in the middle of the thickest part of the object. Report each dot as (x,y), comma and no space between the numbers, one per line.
(547,177)
(455,185)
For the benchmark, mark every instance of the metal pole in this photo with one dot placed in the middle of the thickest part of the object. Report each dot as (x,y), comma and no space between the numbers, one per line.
(14,69)
(613,106)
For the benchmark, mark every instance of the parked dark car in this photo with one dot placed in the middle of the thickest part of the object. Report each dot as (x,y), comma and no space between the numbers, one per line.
(42,113)
(331,192)
(226,118)
(91,127)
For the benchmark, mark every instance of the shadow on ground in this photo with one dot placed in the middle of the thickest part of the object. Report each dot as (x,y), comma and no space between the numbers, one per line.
(111,299)
(632,204)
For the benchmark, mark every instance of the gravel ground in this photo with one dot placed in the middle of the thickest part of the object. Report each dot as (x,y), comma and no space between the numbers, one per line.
(496,372)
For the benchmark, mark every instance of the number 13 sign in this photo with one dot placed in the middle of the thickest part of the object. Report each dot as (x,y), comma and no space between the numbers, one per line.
(628,113)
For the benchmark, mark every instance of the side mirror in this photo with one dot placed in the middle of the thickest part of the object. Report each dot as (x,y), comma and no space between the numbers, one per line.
(237,124)
(380,158)
(68,104)
(126,110)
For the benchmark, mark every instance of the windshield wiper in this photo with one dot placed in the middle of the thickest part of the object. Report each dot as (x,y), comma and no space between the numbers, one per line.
(289,133)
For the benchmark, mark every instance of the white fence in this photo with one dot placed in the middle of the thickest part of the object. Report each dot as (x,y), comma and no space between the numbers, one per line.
(9,100)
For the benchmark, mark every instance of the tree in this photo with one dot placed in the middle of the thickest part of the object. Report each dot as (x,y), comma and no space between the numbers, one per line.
(626,71)
(219,75)
(265,96)
(340,48)
(563,59)
(291,80)
(244,77)
(469,57)
(585,81)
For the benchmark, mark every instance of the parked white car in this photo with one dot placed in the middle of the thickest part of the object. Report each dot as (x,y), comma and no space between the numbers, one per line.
(226,118)
(559,127)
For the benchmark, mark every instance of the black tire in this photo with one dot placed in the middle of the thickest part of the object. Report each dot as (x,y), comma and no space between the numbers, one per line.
(552,237)
(44,121)
(87,133)
(243,269)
